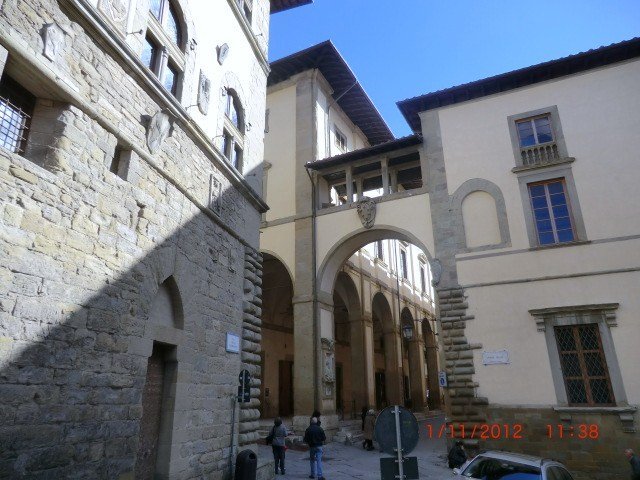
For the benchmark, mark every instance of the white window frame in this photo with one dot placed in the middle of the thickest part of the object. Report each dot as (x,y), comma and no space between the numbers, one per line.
(340,139)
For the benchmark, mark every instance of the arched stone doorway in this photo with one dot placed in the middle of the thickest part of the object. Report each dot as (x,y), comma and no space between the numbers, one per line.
(277,393)
(385,328)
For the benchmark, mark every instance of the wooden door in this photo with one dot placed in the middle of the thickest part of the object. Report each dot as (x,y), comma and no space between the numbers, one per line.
(285,388)
(151,414)
(339,389)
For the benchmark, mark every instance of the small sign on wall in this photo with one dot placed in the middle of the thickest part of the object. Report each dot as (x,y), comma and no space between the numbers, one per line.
(500,357)
(442,379)
(233,343)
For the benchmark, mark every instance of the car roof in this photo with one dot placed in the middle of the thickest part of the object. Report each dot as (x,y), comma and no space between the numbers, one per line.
(514,457)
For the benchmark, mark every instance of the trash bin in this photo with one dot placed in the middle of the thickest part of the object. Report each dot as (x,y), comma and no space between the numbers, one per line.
(246,465)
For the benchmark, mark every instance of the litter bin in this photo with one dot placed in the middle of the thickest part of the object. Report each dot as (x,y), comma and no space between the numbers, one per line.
(246,465)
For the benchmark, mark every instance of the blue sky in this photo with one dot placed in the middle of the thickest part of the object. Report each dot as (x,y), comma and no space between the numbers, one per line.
(403,48)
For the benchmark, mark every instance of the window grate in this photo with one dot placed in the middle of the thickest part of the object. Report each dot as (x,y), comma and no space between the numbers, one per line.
(14,125)
(584,366)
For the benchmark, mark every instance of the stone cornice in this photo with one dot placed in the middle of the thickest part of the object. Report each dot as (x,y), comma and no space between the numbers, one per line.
(608,310)
(87,13)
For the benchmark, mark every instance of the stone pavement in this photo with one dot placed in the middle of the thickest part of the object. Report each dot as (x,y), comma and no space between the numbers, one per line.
(341,462)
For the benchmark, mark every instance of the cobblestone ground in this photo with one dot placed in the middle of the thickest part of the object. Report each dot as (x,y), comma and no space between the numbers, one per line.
(342,462)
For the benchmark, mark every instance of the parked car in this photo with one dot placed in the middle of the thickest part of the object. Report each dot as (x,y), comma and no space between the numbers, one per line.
(496,465)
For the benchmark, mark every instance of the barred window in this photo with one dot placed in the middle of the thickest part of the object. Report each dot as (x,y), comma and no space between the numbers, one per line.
(16,110)
(584,367)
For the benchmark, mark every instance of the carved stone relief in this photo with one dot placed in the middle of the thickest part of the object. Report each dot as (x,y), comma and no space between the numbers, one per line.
(158,130)
(204,93)
(223,51)
(215,191)
(53,38)
(367,211)
(328,357)
(115,10)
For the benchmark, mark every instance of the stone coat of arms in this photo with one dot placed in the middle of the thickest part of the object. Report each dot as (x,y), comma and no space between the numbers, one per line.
(158,130)
(367,211)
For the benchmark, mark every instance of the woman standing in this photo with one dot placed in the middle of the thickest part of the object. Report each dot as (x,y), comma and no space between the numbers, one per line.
(279,432)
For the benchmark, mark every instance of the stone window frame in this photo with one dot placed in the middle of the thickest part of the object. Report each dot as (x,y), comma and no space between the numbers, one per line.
(480,185)
(604,315)
(556,128)
(246,8)
(550,172)
(340,140)
(233,135)
(168,56)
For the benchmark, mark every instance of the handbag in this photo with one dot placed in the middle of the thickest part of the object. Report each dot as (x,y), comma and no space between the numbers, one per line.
(269,438)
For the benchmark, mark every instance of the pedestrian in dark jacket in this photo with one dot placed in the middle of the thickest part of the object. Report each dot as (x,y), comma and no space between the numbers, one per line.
(634,461)
(457,456)
(369,425)
(363,415)
(279,432)
(314,437)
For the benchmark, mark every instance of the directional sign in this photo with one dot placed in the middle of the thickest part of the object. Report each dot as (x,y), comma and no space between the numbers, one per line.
(385,431)
(244,387)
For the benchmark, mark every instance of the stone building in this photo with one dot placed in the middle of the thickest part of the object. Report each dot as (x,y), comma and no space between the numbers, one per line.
(130,201)
(534,201)
(371,341)
(520,192)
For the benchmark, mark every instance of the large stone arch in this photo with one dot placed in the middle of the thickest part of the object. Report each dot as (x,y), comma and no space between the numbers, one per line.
(277,340)
(344,247)
(383,317)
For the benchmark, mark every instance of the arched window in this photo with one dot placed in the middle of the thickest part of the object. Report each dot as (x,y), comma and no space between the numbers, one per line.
(233,134)
(163,50)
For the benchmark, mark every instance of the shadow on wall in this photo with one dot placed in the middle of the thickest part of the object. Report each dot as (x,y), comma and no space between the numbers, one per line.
(110,303)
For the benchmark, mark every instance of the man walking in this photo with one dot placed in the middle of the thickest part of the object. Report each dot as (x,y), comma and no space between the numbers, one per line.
(314,437)
(634,461)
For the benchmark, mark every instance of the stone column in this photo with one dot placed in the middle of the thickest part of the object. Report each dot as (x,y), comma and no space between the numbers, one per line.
(417,371)
(393,367)
(359,363)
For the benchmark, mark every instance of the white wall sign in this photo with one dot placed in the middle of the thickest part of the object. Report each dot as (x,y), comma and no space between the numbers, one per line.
(233,343)
(442,379)
(501,357)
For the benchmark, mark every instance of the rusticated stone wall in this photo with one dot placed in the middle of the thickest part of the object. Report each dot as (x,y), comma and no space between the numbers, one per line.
(83,252)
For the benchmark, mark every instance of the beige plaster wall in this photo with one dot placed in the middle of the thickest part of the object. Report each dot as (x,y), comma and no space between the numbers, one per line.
(501,324)
(280,152)
(399,214)
(480,220)
(279,241)
(599,117)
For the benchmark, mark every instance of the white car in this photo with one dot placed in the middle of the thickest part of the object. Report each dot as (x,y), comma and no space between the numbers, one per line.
(496,465)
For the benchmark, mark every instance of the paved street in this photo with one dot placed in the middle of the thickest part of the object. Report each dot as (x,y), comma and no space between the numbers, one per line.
(345,462)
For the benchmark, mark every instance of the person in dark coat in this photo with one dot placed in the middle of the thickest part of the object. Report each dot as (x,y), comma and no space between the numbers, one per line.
(279,432)
(634,461)
(457,456)
(363,414)
(314,437)
(369,426)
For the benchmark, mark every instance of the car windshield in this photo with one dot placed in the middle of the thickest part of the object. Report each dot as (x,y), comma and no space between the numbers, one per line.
(485,468)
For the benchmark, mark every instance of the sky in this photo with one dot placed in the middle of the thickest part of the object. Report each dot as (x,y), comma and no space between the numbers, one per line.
(403,48)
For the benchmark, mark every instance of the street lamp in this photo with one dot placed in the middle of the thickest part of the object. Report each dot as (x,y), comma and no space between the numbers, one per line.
(407,331)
